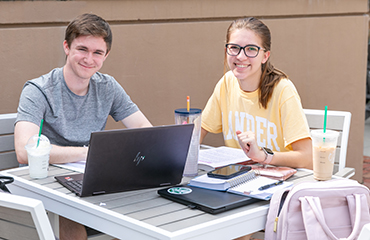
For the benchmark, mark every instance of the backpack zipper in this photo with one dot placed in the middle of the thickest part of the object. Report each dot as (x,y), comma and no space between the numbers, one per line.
(282,200)
(275,223)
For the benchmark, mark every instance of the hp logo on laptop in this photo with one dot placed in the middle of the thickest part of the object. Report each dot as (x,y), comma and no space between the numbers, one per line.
(138,158)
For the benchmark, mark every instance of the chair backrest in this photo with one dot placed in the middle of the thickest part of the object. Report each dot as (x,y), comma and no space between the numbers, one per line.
(336,120)
(8,158)
(23,218)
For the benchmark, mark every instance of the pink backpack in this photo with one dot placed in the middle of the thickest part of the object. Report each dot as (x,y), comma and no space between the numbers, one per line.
(332,209)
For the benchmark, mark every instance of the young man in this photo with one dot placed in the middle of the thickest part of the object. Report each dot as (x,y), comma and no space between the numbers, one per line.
(74,101)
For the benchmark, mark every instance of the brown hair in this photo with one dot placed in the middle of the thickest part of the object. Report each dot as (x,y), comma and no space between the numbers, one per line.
(89,24)
(270,75)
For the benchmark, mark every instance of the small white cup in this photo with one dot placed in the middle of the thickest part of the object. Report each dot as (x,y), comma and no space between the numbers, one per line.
(38,152)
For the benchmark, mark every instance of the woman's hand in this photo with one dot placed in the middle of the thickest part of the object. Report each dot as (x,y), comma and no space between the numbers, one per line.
(299,157)
(247,142)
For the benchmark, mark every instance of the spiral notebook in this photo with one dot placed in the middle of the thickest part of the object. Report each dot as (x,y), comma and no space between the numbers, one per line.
(247,184)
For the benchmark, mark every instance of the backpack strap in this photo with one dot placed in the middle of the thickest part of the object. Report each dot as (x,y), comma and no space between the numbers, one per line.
(357,213)
(314,220)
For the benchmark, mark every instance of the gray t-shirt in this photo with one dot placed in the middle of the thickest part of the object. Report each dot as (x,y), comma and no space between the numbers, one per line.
(69,119)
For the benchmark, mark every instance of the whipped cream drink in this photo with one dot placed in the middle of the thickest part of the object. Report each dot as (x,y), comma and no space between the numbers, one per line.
(38,153)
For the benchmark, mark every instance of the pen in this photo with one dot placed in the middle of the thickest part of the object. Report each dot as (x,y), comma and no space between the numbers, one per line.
(270,185)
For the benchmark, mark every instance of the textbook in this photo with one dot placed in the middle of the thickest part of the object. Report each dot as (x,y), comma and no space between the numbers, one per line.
(210,159)
(247,184)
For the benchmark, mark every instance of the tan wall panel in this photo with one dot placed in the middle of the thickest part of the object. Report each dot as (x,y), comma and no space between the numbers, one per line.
(133,10)
(160,64)
(26,53)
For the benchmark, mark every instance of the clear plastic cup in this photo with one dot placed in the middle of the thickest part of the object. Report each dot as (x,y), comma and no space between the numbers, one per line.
(324,147)
(38,152)
(182,116)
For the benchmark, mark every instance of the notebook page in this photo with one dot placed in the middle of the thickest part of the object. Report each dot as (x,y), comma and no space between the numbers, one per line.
(210,159)
(74,166)
(250,188)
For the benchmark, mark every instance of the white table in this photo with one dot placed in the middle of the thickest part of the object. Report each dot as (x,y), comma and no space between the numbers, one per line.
(141,214)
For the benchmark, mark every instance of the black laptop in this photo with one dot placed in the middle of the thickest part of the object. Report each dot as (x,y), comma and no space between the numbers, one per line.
(132,159)
(210,201)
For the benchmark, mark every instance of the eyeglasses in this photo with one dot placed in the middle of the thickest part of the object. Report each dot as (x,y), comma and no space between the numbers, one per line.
(250,50)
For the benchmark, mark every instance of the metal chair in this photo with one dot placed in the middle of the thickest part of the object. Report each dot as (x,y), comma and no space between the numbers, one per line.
(23,218)
(339,121)
(8,157)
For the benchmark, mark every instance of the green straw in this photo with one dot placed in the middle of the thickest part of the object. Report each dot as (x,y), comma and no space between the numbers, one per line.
(38,140)
(326,115)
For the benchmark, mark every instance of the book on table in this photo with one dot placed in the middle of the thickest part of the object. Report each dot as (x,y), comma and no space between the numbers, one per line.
(212,158)
(247,184)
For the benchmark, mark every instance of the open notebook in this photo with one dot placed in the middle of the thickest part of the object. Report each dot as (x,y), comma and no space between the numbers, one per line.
(247,184)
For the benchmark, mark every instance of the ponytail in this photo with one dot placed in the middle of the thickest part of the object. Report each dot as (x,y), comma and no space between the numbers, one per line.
(269,79)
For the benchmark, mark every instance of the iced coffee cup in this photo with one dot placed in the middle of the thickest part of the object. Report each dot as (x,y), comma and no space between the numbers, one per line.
(38,152)
(324,147)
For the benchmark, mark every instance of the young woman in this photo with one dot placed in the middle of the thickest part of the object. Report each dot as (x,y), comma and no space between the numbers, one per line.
(255,105)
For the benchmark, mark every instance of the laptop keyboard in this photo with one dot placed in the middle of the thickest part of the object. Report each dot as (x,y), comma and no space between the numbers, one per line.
(76,185)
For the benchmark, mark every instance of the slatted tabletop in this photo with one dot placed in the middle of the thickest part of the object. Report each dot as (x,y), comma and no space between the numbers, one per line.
(141,214)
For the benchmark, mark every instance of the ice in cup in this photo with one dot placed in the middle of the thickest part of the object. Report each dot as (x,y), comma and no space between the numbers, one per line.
(324,147)
(183,116)
(38,152)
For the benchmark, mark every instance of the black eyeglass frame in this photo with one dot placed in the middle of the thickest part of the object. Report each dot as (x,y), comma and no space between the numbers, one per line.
(243,48)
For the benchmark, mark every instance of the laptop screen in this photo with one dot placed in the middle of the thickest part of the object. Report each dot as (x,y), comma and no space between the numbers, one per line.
(131,159)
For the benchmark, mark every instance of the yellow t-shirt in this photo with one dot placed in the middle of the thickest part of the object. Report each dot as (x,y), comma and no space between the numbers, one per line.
(230,109)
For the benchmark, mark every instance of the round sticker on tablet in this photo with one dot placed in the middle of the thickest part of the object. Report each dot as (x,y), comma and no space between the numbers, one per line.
(179,190)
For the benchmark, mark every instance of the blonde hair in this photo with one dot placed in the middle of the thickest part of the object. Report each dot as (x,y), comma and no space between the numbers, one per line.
(270,75)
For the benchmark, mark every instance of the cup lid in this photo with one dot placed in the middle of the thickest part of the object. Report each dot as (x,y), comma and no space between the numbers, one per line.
(185,111)
(34,140)
(328,133)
